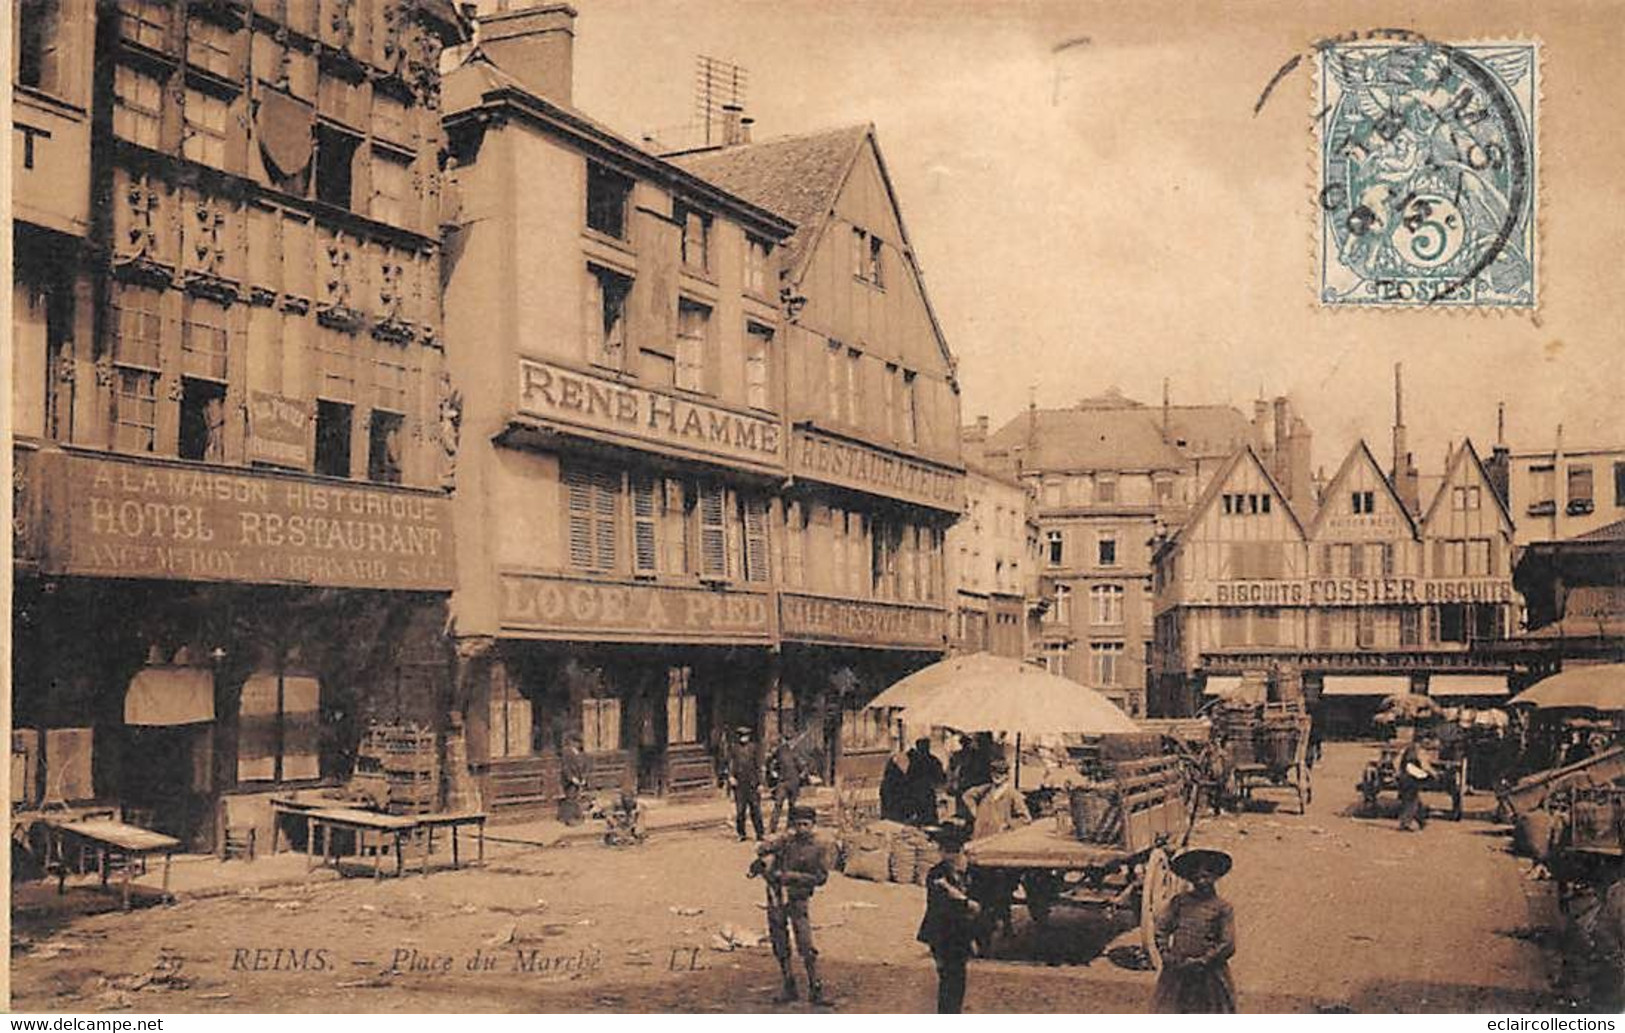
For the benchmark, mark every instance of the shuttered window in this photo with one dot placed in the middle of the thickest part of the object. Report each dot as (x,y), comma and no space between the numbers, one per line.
(756,561)
(591,500)
(645,539)
(713,531)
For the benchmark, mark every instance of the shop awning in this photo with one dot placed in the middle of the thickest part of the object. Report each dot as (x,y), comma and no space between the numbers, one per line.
(1467,685)
(170,696)
(1221,684)
(1365,685)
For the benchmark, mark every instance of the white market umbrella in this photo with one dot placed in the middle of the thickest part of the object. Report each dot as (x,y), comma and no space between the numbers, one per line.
(928,680)
(996,694)
(1593,687)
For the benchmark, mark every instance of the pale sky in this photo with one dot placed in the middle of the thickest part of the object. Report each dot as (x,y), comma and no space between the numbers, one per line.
(1094,202)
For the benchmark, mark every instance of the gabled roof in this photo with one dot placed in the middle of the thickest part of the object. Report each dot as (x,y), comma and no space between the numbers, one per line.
(480,83)
(1215,488)
(1360,449)
(1460,456)
(799,177)
(1207,429)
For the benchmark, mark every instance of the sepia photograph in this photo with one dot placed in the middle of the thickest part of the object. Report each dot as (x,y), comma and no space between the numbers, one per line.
(817,507)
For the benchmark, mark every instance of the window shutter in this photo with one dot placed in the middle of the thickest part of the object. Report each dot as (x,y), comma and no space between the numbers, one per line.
(713,532)
(645,541)
(1438,559)
(578,492)
(756,562)
(606,486)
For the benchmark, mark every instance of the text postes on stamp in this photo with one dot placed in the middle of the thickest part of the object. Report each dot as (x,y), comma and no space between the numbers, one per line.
(1427,159)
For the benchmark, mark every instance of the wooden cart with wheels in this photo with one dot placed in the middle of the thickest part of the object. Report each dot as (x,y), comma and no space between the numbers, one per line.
(1112,854)
(1382,775)
(1279,755)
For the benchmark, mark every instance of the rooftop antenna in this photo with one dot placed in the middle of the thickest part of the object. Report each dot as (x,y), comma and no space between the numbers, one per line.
(717,84)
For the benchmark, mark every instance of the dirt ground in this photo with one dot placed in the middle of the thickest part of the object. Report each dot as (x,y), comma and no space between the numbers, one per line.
(1334,913)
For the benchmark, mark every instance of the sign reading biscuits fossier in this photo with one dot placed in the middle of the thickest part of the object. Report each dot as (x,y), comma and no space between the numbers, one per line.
(141,519)
(1356,591)
(596,403)
(851,465)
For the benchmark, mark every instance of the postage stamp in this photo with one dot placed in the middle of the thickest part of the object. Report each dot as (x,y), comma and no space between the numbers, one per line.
(1428,163)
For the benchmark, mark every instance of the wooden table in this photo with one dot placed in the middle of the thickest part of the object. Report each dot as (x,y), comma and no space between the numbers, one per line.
(106,836)
(327,819)
(430,822)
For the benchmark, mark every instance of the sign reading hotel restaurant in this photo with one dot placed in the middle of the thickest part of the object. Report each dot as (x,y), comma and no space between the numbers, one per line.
(819,619)
(851,465)
(598,403)
(119,517)
(1354,591)
(551,606)
(278,430)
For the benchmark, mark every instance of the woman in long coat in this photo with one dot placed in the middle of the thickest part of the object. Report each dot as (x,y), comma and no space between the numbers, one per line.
(1196,936)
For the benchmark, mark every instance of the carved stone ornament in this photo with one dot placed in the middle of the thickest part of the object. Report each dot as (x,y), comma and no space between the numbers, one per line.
(104,371)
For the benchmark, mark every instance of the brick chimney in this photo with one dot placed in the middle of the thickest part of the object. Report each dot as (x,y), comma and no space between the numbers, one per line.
(533,44)
(735,126)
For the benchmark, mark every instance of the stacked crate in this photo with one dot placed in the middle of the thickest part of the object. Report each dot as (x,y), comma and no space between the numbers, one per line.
(401,767)
(1284,724)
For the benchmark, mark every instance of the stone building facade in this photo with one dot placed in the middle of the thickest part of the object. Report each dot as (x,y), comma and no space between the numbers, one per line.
(233,546)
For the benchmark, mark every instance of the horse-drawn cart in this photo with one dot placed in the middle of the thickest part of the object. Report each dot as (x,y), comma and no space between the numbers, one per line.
(1108,849)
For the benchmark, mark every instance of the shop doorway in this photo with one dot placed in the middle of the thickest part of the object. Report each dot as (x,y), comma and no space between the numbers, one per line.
(164,784)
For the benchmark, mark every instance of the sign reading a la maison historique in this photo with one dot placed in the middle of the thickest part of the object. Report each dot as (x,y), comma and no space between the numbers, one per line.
(128,517)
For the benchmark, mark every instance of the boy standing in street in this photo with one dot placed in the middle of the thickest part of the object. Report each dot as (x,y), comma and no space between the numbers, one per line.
(949,924)
(794,866)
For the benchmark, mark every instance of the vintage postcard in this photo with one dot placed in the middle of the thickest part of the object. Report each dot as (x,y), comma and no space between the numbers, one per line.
(816,508)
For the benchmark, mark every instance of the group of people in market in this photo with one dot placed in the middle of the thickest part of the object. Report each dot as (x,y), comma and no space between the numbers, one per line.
(1195,933)
(914,779)
(784,771)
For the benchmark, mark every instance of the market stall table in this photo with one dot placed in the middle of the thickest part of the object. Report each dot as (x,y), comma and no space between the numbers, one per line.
(430,822)
(106,836)
(325,820)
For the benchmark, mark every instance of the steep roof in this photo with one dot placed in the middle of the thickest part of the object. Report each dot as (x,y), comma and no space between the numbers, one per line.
(1460,456)
(1360,450)
(1125,437)
(798,177)
(1216,486)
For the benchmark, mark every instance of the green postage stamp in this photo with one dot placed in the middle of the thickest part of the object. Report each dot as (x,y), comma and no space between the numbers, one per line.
(1428,173)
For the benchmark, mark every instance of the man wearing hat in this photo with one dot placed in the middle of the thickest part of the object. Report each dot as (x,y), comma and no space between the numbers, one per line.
(1196,937)
(785,775)
(1411,771)
(995,807)
(794,865)
(745,782)
(949,924)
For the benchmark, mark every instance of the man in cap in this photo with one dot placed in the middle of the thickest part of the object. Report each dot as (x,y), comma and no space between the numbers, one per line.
(575,770)
(785,775)
(995,807)
(949,924)
(745,782)
(1411,771)
(1196,937)
(794,866)
(925,776)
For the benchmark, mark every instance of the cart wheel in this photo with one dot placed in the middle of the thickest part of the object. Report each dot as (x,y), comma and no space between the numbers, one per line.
(1158,886)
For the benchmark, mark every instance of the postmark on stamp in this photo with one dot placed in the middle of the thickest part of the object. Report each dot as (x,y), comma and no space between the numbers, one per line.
(1427,174)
